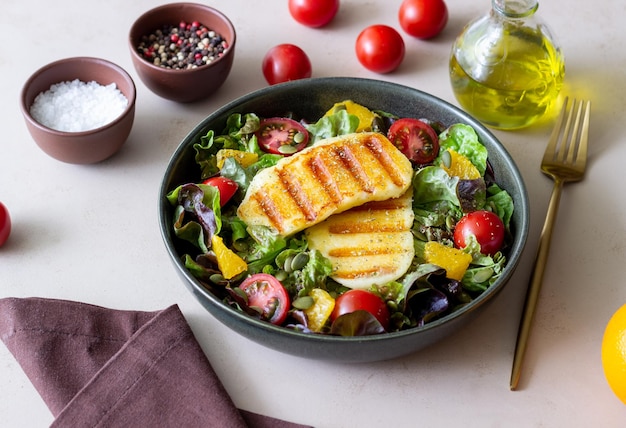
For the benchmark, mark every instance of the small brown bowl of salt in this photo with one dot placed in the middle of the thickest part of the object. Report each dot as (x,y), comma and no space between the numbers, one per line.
(182,52)
(79,110)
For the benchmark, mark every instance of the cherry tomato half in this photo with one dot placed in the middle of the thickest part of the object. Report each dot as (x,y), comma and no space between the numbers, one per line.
(5,224)
(380,48)
(416,139)
(282,136)
(485,226)
(267,294)
(225,186)
(354,300)
(285,62)
(423,18)
(313,13)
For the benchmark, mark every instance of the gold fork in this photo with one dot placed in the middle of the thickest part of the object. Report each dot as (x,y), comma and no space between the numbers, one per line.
(564,160)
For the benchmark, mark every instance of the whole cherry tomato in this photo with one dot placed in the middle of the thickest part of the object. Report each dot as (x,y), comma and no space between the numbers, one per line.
(313,13)
(354,300)
(486,226)
(5,224)
(225,186)
(423,18)
(380,48)
(285,62)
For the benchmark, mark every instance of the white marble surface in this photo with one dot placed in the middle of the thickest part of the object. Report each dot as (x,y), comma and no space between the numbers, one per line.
(90,233)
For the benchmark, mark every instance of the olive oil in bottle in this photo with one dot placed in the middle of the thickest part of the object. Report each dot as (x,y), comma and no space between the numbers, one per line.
(505,68)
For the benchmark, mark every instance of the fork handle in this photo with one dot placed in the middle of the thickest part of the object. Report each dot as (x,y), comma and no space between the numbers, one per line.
(532,293)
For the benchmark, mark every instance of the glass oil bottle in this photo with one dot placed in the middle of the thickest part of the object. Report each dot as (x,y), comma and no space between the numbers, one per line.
(505,67)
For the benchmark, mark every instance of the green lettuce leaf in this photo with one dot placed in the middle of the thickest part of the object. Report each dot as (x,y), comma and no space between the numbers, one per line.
(339,123)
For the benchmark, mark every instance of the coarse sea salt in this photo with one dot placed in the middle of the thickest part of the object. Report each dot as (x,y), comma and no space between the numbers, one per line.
(78,106)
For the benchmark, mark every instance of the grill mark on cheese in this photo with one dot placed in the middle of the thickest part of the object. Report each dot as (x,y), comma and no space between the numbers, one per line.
(387,205)
(269,208)
(322,174)
(365,273)
(371,227)
(294,188)
(355,168)
(374,145)
(363,252)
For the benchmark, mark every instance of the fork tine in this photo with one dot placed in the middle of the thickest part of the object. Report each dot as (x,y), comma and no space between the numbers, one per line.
(569,139)
(568,134)
(572,144)
(552,147)
(581,152)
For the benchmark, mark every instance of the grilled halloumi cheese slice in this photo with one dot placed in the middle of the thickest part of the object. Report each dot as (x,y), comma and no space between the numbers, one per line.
(369,244)
(332,176)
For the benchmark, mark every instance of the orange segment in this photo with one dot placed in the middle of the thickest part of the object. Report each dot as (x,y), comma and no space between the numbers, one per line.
(229,263)
(453,260)
(321,309)
(365,115)
(245,159)
(461,166)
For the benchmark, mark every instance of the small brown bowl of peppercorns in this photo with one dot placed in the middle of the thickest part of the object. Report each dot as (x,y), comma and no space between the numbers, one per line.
(183,51)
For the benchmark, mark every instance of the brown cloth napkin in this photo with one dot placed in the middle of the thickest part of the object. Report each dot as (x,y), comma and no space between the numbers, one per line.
(95,366)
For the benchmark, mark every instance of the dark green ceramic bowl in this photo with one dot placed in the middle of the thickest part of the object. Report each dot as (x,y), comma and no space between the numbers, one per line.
(310,98)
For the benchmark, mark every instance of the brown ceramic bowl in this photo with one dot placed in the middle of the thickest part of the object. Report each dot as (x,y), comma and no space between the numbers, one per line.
(182,85)
(81,147)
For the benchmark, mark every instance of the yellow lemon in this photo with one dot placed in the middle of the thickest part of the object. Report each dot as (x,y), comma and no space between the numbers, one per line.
(614,353)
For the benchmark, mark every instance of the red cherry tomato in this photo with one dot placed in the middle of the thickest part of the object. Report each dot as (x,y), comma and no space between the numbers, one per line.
(267,294)
(423,18)
(485,226)
(380,48)
(417,140)
(282,136)
(285,62)
(313,13)
(5,224)
(225,186)
(354,300)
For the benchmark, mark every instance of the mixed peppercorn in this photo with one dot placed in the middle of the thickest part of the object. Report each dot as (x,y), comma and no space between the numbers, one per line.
(188,45)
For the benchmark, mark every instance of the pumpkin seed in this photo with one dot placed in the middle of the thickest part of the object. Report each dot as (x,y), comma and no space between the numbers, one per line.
(287,149)
(419,235)
(240,246)
(281,275)
(303,303)
(242,294)
(217,278)
(446,159)
(287,263)
(298,138)
(483,275)
(299,261)
(450,222)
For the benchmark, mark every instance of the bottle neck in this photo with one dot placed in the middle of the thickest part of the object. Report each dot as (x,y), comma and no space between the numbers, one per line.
(515,8)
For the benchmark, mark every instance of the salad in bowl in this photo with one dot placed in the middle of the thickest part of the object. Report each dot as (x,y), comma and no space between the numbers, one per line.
(357,223)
